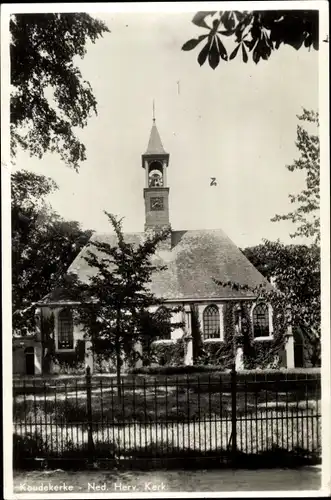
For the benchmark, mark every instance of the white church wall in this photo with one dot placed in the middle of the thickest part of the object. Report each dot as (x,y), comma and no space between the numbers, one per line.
(177,333)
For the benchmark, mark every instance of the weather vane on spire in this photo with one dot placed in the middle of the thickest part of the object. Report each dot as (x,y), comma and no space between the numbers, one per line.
(153,110)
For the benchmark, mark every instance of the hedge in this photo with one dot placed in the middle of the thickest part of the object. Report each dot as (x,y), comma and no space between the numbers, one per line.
(283,373)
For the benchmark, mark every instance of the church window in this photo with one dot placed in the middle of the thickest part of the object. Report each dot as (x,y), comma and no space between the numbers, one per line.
(164,332)
(211,322)
(65,330)
(261,326)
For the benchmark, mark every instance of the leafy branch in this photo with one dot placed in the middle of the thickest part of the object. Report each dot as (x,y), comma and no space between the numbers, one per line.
(42,52)
(306,215)
(258,33)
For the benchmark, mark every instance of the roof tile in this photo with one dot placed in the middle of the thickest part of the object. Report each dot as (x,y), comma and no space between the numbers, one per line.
(196,258)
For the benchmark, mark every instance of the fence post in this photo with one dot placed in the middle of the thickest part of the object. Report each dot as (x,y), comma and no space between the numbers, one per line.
(90,443)
(234,412)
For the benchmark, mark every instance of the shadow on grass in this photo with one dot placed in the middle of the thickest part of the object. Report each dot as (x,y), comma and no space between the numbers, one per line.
(31,452)
(174,405)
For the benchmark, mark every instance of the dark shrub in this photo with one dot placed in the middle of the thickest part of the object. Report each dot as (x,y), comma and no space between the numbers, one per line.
(30,446)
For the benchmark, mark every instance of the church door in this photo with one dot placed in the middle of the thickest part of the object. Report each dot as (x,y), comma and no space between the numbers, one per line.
(29,360)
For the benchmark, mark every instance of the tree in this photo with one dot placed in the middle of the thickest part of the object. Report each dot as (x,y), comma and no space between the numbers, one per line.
(115,311)
(295,270)
(256,32)
(43,245)
(306,215)
(49,96)
(197,342)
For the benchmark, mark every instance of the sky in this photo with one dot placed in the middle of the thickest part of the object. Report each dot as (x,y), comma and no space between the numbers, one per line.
(236,123)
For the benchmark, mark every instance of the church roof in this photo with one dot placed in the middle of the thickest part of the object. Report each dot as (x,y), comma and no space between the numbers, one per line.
(155,146)
(196,258)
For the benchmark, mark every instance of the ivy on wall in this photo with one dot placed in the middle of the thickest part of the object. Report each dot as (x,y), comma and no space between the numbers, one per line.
(171,354)
(196,334)
(257,354)
(71,362)
(215,353)
(265,353)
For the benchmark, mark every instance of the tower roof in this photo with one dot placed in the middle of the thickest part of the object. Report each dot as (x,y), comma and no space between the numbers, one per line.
(155,146)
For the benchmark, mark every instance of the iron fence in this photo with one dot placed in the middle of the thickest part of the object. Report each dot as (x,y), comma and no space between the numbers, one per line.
(144,418)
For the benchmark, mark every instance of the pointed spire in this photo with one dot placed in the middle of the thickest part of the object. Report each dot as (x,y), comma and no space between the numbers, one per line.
(155,146)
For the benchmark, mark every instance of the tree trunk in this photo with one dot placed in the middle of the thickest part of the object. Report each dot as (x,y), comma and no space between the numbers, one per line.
(118,355)
(47,342)
(118,368)
(196,333)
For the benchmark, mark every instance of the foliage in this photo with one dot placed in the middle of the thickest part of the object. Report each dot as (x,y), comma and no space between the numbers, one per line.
(306,216)
(154,326)
(43,50)
(116,300)
(47,324)
(218,354)
(30,445)
(239,328)
(101,365)
(43,245)
(263,355)
(174,370)
(169,354)
(257,355)
(295,270)
(70,362)
(222,353)
(196,334)
(255,32)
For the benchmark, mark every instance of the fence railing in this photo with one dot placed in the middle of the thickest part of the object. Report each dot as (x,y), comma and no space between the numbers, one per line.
(168,418)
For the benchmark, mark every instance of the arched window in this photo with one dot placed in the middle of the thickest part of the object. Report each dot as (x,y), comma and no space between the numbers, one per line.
(261,326)
(164,329)
(155,174)
(65,330)
(211,322)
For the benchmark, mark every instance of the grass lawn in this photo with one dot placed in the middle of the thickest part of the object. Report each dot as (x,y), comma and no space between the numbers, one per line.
(260,433)
(163,419)
(172,400)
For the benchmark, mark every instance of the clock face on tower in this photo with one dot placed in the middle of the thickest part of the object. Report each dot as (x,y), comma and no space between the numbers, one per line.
(157,203)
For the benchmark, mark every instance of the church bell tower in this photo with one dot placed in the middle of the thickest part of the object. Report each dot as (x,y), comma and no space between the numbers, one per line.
(156,192)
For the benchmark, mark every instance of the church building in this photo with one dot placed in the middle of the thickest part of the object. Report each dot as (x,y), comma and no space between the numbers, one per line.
(194,259)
